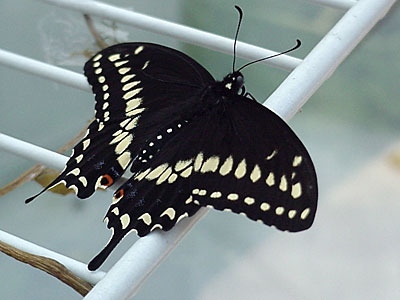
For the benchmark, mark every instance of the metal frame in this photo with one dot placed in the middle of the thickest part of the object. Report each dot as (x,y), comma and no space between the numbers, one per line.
(306,77)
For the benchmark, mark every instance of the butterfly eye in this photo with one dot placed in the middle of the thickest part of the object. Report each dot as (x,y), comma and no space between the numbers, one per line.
(239,81)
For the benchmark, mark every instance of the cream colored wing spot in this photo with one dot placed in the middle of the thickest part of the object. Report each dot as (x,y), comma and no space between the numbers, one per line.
(79,158)
(132,104)
(198,161)
(124,159)
(157,172)
(296,190)
(215,195)
(249,200)
(83,180)
(120,63)
(132,124)
(146,218)
(292,213)
(172,178)
(142,175)
(74,188)
(156,226)
(101,126)
(106,114)
(164,176)
(283,185)
(170,212)
(123,71)
(187,172)
(130,85)
(269,157)
(125,220)
(124,122)
(188,200)
(122,145)
(118,132)
(145,64)
(114,57)
(182,216)
(228,209)
(96,64)
(226,167)
(305,213)
(210,164)
(255,174)
(270,181)
(135,112)
(105,87)
(195,191)
(265,206)
(75,172)
(106,96)
(127,78)
(97,57)
(132,93)
(243,214)
(85,144)
(196,202)
(297,161)
(138,50)
(98,184)
(119,137)
(279,210)
(105,105)
(115,211)
(202,192)
(98,71)
(101,79)
(182,164)
(233,197)
(241,169)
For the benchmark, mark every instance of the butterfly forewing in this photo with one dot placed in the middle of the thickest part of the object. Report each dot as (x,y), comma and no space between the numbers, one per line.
(139,87)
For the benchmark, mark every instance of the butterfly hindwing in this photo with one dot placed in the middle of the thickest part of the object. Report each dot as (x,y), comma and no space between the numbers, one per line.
(225,159)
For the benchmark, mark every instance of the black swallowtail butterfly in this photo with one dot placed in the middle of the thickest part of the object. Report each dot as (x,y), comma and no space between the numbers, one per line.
(191,141)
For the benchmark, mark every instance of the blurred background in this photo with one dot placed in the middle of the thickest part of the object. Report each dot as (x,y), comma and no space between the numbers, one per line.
(350,127)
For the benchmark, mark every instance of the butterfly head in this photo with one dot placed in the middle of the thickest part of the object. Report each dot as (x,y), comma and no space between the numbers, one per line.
(233,83)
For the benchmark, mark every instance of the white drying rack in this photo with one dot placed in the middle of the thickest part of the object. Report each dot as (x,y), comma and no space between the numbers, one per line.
(124,279)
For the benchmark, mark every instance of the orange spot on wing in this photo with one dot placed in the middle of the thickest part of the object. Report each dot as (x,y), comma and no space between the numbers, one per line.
(107,180)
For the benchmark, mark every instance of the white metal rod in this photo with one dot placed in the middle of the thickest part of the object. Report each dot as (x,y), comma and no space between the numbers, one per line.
(78,268)
(180,32)
(44,70)
(32,152)
(322,61)
(338,4)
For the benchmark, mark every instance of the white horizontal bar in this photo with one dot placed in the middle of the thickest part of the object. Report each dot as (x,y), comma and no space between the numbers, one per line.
(44,70)
(323,60)
(338,4)
(76,267)
(180,32)
(32,152)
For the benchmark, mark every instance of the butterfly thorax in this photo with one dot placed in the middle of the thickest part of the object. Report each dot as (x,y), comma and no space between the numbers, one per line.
(230,85)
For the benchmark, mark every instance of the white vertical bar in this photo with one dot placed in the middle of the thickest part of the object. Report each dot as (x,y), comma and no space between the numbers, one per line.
(322,61)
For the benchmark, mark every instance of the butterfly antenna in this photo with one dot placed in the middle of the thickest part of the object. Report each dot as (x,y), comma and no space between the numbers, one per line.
(268,57)
(236,36)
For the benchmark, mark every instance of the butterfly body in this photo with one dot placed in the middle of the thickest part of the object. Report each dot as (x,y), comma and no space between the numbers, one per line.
(190,141)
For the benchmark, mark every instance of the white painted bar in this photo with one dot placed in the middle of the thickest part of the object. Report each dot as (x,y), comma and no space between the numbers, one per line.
(180,32)
(338,4)
(78,268)
(44,70)
(32,152)
(323,60)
